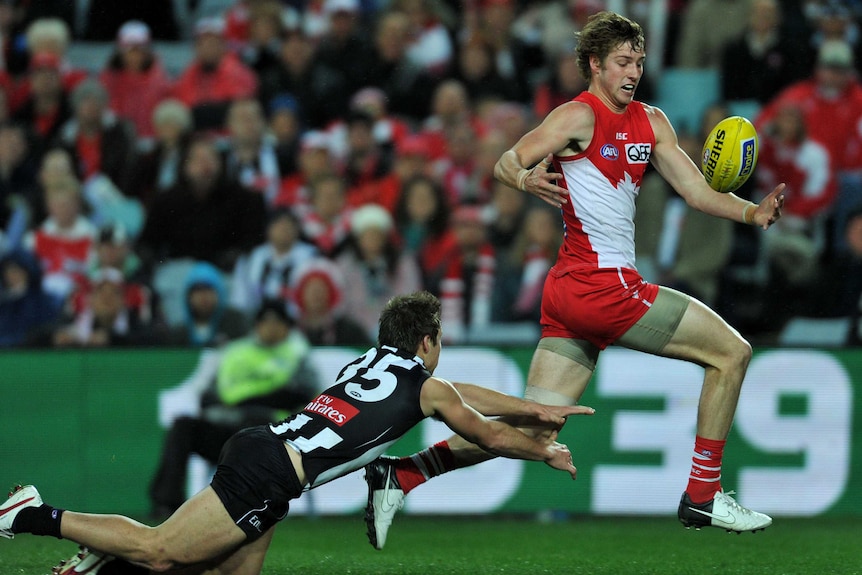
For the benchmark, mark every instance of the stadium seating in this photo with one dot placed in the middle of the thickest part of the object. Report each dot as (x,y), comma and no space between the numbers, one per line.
(684,94)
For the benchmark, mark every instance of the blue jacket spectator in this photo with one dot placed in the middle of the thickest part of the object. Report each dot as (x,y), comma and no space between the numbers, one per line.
(24,306)
(209,320)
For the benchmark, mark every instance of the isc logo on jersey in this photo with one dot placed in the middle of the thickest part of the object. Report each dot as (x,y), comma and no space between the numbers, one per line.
(638,153)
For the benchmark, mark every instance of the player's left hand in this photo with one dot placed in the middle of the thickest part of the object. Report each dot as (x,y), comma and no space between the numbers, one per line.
(769,210)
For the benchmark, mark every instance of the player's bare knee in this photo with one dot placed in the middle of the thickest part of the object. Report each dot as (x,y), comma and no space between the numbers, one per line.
(735,360)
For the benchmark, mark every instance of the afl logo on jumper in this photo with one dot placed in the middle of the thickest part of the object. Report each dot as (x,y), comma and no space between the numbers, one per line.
(638,153)
(610,152)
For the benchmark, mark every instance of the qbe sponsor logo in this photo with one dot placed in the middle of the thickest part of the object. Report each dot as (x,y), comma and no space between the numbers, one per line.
(638,153)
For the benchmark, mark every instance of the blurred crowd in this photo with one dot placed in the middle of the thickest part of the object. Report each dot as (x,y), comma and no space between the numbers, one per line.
(329,154)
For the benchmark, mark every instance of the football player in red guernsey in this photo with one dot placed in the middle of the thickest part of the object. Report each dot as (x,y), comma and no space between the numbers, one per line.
(599,145)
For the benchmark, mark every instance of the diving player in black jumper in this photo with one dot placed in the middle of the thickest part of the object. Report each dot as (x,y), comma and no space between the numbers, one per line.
(227,527)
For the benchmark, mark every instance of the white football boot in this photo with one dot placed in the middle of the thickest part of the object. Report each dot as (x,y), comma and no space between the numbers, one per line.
(85,562)
(722,512)
(385,498)
(20,498)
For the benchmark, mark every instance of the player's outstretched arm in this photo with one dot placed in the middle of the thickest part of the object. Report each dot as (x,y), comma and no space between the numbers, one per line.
(492,403)
(440,399)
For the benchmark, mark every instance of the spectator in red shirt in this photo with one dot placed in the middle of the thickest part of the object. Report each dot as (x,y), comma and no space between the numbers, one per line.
(831,104)
(215,77)
(315,159)
(63,240)
(787,154)
(48,36)
(367,163)
(135,78)
(325,220)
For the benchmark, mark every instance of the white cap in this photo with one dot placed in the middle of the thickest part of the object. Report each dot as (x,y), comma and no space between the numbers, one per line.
(314,140)
(835,54)
(333,6)
(210,25)
(370,216)
(133,33)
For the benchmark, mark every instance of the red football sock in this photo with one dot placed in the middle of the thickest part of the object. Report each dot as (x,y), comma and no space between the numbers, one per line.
(420,467)
(705,478)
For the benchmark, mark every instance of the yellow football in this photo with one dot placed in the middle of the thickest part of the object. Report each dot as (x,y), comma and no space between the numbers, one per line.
(729,154)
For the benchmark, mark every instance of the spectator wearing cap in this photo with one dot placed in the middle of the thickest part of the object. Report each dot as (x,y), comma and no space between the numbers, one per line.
(135,78)
(264,273)
(835,20)
(47,36)
(314,160)
(46,107)
(250,155)
(99,141)
(467,287)
(257,379)
(284,123)
(214,78)
(208,319)
(158,166)
(103,321)
(345,50)
(374,266)
(318,297)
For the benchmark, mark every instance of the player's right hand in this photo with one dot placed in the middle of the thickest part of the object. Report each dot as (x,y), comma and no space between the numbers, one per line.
(561,458)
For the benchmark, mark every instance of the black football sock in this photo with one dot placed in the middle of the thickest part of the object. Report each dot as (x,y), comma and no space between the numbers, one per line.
(42,520)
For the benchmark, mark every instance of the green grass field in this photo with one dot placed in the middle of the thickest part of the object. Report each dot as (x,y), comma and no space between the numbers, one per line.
(499,545)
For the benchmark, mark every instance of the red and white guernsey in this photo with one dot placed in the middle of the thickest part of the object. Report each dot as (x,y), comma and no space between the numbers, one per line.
(594,291)
(603,182)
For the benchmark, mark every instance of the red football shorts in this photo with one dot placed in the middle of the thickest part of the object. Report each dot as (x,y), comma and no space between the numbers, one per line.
(598,305)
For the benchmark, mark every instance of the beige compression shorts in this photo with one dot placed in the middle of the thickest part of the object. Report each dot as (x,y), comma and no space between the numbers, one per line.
(651,333)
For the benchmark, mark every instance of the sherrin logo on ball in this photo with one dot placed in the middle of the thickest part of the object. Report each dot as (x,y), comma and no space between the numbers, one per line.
(729,154)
